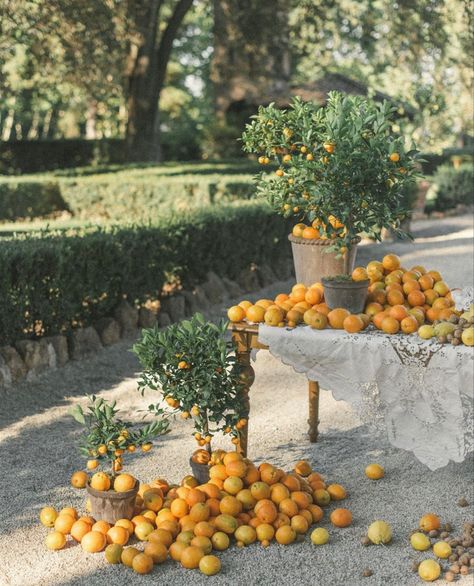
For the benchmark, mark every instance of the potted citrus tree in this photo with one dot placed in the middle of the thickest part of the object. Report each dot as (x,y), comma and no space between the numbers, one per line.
(342,172)
(108,439)
(195,369)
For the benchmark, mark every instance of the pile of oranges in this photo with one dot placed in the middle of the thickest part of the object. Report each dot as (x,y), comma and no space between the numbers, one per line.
(240,502)
(399,300)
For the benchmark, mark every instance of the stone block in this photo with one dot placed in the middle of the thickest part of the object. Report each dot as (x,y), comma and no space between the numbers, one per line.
(109,330)
(35,355)
(127,317)
(146,318)
(13,362)
(214,288)
(83,342)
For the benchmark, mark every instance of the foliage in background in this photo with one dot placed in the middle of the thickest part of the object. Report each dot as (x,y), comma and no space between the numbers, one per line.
(452,187)
(110,438)
(196,371)
(53,282)
(342,161)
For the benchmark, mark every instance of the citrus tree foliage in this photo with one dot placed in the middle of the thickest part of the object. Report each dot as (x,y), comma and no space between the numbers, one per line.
(108,437)
(195,369)
(341,165)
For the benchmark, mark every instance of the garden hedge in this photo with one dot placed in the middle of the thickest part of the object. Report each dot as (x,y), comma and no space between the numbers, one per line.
(453,186)
(50,283)
(23,198)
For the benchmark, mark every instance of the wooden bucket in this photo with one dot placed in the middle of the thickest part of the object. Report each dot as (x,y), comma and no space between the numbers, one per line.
(313,262)
(110,506)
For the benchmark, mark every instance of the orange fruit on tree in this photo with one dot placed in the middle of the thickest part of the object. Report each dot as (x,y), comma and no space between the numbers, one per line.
(236,313)
(374,471)
(429,522)
(285,535)
(409,325)
(341,517)
(416,298)
(353,324)
(336,318)
(395,298)
(157,551)
(93,542)
(142,563)
(337,492)
(79,529)
(310,233)
(390,325)
(399,312)
(255,313)
(55,540)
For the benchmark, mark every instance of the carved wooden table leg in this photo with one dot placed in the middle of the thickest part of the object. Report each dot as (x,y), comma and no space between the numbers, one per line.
(313,420)
(248,376)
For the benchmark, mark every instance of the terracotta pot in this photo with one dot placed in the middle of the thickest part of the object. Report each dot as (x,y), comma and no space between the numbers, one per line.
(350,295)
(111,506)
(200,471)
(313,262)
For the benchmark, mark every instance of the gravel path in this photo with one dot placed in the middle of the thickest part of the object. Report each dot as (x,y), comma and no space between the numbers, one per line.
(38,456)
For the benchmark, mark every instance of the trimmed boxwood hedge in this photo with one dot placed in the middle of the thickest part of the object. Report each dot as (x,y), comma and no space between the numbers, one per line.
(20,198)
(52,282)
(453,186)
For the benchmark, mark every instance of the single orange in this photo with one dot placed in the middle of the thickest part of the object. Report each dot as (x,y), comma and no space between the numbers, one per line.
(390,325)
(341,517)
(395,298)
(416,298)
(336,318)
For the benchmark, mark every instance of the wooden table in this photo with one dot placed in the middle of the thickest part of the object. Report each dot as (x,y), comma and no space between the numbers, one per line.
(245,338)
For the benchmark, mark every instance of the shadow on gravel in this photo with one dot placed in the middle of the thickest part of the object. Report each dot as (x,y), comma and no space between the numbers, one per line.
(92,375)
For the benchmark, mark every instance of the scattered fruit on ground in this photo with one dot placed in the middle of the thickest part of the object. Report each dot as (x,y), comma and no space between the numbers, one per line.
(79,479)
(374,471)
(55,540)
(442,550)
(93,542)
(48,516)
(142,563)
(113,553)
(420,541)
(341,517)
(429,522)
(320,536)
(429,570)
(210,565)
(379,532)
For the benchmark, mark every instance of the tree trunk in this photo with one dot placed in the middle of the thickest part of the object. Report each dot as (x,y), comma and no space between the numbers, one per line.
(148,62)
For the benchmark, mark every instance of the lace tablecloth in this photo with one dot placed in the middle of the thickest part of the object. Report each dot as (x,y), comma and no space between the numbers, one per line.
(421,391)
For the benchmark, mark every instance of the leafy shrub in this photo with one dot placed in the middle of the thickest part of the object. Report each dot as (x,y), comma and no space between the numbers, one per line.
(52,282)
(453,186)
(27,199)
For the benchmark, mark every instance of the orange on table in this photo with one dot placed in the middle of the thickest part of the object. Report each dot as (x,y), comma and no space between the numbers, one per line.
(426,282)
(446,313)
(265,303)
(430,296)
(441,303)
(377,296)
(409,325)
(418,313)
(395,298)
(378,318)
(390,325)
(245,304)
(416,298)
(391,262)
(399,312)
(435,275)
(255,313)
(432,314)
(313,296)
(353,324)
(376,286)
(298,294)
(410,275)
(322,308)
(336,317)
(373,308)
(410,286)
(281,297)
(394,287)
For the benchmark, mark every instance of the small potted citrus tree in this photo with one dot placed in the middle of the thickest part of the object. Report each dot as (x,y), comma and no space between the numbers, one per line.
(108,439)
(195,369)
(342,172)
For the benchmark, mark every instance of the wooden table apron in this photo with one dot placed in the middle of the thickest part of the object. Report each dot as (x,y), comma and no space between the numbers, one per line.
(245,337)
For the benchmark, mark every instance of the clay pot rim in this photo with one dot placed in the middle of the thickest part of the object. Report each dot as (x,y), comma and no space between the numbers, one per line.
(317,241)
(111,494)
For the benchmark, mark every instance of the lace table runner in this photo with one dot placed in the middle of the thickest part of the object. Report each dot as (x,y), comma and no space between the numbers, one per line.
(422,391)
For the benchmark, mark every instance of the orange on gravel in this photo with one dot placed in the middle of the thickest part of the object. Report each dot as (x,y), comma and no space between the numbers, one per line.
(143,530)
(79,479)
(429,522)
(124,482)
(353,324)
(373,308)
(316,512)
(233,485)
(265,532)
(260,490)
(391,262)
(64,524)
(341,517)
(210,565)
(230,505)
(301,498)
(398,312)
(236,468)
(285,535)
(299,524)
(220,541)
(279,492)
(55,540)
(101,526)
(266,511)
(319,536)
(195,497)
(321,497)
(205,529)
(176,550)
(246,534)
(153,499)
(199,512)
(69,511)
(142,563)
(157,551)
(128,554)
(79,529)
(179,508)
(93,542)
(303,468)
(100,481)
(374,471)
(390,325)
(429,570)
(426,282)
(203,543)
(313,296)
(117,535)
(337,492)
(336,318)
(191,556)
(289,507)
(218,471)
(226,523)
(126,524)
(255,314)
(48,516)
